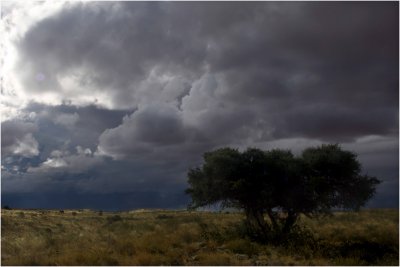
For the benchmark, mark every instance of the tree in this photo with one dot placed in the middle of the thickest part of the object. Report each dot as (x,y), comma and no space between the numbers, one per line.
(280,185)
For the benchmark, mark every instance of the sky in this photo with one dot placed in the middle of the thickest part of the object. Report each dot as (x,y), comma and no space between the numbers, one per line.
(106,105)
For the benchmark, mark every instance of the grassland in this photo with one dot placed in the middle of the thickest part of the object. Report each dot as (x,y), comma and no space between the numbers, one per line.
(39,237)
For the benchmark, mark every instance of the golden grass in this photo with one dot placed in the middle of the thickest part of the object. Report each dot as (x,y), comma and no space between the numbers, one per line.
(34,237)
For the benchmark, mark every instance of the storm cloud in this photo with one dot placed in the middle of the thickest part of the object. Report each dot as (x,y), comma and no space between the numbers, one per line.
(124,97)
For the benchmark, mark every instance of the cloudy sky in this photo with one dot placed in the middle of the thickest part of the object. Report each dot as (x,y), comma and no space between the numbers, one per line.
(108,104)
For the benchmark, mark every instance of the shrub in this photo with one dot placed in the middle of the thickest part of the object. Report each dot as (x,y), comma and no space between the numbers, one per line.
(211,232)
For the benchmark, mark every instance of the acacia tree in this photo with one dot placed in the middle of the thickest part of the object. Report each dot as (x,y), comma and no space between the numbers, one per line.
(280,185)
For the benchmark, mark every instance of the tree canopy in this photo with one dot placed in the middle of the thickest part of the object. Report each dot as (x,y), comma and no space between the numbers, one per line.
(280,184)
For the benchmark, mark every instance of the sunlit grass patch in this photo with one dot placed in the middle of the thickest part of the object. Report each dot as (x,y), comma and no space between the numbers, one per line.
(192,238)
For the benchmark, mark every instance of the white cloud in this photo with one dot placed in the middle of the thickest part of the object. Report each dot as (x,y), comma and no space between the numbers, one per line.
(67,120)
(27,146)
(54,163)
(17,18)
(17,139)
(151,125)
(64,161)
(82,151)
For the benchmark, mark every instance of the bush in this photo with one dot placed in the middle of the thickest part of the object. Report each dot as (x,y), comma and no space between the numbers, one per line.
(298,238)
(6,207)
(211,232)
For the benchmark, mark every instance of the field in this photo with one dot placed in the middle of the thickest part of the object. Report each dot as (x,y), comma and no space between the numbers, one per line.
(85,237)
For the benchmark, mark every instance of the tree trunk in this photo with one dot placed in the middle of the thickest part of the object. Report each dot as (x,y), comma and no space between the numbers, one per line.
(255,219)
(289,222)
(273,219)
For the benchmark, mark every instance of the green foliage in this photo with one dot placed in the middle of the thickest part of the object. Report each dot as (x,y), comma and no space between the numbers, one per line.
(334,177)
(280,185)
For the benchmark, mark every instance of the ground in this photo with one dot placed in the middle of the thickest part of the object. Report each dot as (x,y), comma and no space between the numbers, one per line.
(159,237)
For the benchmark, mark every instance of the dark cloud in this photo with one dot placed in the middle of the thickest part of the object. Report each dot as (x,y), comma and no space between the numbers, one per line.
(153,85)
(337,124)
(268,54)
(44,131)
(78,126)
(102,49)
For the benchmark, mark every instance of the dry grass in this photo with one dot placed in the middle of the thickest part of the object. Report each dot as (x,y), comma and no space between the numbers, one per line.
(31,237)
